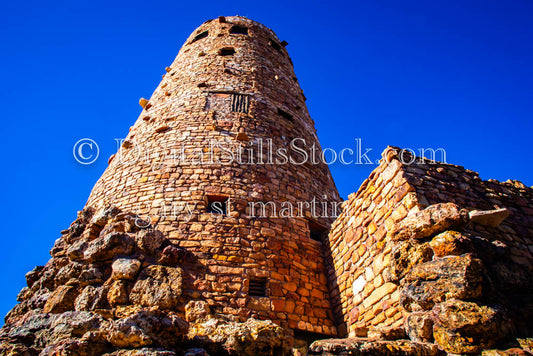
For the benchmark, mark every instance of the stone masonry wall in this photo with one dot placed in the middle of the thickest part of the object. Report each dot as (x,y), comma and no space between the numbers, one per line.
(363,294)
(429,252)
(231,89)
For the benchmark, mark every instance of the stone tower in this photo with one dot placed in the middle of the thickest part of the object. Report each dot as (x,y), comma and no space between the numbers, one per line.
(208,162)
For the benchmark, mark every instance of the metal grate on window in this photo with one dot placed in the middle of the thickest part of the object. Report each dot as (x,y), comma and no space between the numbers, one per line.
(240,103)
(258,287)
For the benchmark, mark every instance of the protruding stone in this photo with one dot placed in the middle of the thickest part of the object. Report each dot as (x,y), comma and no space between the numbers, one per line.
(430,221)
(125,268)
(143,102)
(158,286)
(451,243)
(492,218)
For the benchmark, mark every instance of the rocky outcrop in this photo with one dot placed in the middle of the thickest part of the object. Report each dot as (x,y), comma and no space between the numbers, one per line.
(114,286)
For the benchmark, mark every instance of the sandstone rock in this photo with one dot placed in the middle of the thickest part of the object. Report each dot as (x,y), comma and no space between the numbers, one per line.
(171,256)
(446,278)
(451,243)
(430,221)
(147,328)
(197,310)
(364,347)
(492,218)
(149,241)
(76,250)
(251,338)
(109,246)
(143,352)
(405,255)
(118,293)
(61,300)
(386,333)
(125,268)
(419,326)
(91,298)
(465,327)
(158,286)
(33,275)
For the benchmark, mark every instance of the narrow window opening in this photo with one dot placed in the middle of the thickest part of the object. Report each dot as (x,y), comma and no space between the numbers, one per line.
(240,103)
(238,30)
(285,115)
(227,51)
(275,45)
(217,204)
(200,36)
(257,287)
(317,232)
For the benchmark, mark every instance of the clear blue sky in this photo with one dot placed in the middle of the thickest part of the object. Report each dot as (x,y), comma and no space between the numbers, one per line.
(450,74)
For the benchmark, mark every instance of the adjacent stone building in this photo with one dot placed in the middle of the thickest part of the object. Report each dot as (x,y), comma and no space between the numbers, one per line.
(211,232)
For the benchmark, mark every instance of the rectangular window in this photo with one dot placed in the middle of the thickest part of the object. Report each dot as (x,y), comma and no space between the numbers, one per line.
(238,30)
(317,232)
(217,204)
(285,115)
(200,36)
(258,287)
(239,103)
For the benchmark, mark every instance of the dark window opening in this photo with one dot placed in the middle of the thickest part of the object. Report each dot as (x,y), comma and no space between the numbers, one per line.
(317,232)
(275,45)
(200,36)
(285,115)
(257,287)
(239,30)
(240,103)
(228,51)
(217,204)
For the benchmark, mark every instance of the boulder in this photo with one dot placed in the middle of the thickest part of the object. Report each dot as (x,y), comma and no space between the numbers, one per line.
(251,338)
(110,245)
(386,333)
(465,327)
(407,254)
(434,219)
(91,298)
(432,282)
(450,243)
(492,218)
(364,347)
(147,328)
(419,326)
(61,300)
(197,310)
(158,286)
(125,268)
(150,241)
(118,293)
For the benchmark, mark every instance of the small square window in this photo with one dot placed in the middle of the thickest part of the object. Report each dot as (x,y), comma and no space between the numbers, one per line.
(217,204)
(285,115)
(317,232)
(227,51)
(200,36)
(257,287)
(275,45)
(238,30)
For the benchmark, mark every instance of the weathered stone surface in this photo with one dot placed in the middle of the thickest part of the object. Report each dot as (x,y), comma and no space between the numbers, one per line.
(197,311)
(446,278)
(364,347)
(125,268)
(405,255)
(91,298)
(158,286)
(150,241)
(466,327)
(419,326)
(147,328)
(117,293)
(508,352)
(142,352)
(386,333)
(109,246)
(492,218)
(430,221)
(61,300)
(451,243)
(171,256)
(251,338)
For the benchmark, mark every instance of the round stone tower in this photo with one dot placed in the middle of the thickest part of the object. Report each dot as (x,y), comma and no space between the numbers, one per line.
(224,159)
